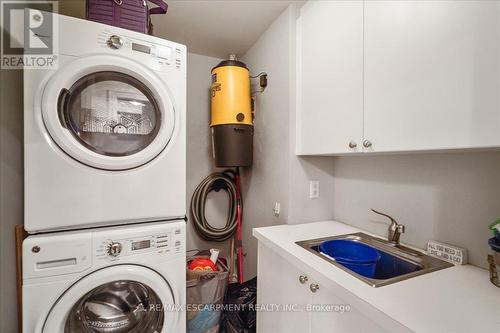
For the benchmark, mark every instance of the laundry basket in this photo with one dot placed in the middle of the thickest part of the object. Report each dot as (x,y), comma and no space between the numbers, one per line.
(205,296)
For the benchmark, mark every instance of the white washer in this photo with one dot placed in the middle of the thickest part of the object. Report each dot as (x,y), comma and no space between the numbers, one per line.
(117,279)
(105,134)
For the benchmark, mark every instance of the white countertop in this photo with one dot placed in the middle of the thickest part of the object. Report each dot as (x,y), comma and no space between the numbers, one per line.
(455,299)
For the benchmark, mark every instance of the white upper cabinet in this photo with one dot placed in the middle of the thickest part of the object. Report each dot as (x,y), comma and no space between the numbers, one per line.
(398,75)
(329,77)
(432,75)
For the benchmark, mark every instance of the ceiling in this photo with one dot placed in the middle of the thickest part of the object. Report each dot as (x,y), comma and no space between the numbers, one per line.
(209,27)
(217,28)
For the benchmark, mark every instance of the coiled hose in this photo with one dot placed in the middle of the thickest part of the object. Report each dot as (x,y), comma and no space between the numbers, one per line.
(215,182)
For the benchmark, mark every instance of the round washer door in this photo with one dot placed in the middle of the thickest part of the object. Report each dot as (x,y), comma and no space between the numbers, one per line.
(108,112)
(117,299)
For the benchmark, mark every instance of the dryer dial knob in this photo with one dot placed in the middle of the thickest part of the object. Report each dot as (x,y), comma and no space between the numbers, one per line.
(115,42)
(114,249)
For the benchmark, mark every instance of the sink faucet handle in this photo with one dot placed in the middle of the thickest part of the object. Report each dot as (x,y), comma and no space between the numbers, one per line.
(383,214)
(395,229)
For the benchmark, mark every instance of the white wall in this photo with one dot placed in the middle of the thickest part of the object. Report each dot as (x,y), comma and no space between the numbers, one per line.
(11,190)
(266,182)
(304,169)
(277,175)
(199,151)
(450,197)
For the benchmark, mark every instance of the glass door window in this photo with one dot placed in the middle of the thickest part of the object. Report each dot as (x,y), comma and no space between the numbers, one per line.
(117,307)
(110,113)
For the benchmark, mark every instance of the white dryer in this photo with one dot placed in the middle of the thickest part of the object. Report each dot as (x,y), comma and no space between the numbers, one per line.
(105,132)
(117,279)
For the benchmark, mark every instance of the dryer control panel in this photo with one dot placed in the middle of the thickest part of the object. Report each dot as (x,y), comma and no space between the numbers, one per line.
(161,56)
(81,37)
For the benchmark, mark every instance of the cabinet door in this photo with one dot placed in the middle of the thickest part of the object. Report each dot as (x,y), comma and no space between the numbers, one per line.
(329,77)
(432,74)
(279,285)
(330,313)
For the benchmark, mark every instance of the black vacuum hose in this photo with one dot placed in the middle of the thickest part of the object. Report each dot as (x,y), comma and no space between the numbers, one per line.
(215,182)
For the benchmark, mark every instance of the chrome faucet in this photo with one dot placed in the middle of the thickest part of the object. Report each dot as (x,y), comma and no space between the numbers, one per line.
(395,229)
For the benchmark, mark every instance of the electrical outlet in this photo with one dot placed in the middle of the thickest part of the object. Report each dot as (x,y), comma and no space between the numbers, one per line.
(277,208)
(313,189)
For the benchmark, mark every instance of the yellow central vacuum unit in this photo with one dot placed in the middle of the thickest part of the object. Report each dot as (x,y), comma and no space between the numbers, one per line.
(231,116)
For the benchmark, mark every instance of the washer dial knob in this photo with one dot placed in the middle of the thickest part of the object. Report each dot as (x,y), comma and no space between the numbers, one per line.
(115,42)
(114,249)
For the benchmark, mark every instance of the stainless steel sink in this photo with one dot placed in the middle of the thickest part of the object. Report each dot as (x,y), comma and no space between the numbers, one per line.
(397,262)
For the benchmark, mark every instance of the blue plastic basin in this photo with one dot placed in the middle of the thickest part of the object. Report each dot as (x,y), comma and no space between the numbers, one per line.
(355,256)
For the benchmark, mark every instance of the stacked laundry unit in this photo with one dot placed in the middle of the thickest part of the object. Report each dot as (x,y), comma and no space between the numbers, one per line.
(105,184)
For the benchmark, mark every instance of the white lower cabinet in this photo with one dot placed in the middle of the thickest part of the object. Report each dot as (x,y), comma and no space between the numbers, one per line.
(291,300)
(344,318)
(278,284)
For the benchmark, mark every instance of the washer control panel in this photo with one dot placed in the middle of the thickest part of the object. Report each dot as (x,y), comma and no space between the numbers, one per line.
(71,252)
(115,248)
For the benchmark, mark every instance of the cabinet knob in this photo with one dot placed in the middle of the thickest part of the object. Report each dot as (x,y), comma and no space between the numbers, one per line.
(367,143)
(352,144)
(303,279)
(314,287)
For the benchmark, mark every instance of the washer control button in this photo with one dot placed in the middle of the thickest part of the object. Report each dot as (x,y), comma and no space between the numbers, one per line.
(114,249)
(164,52)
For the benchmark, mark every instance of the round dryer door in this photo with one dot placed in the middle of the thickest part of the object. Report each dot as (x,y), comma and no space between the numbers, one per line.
(117,299)
(108,112)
